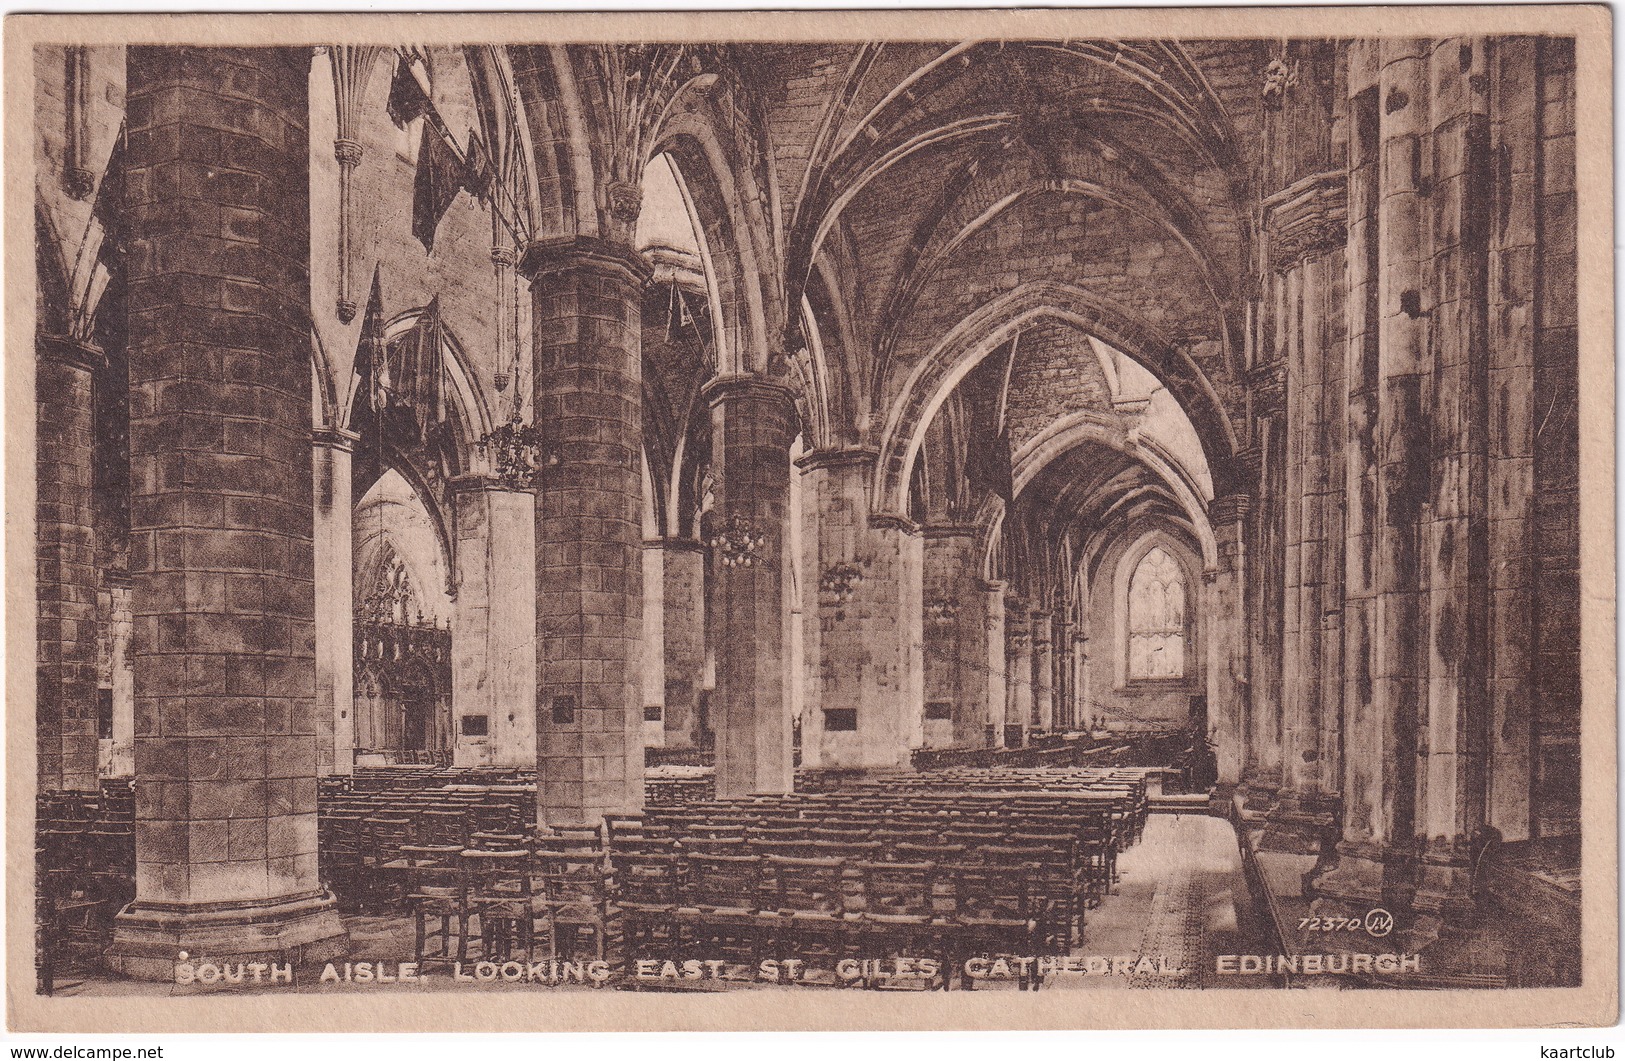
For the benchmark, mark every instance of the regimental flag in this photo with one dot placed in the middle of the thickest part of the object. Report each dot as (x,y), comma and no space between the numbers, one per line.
(373,382)
(408,97)
(371,358)
(108,207)
(440,177)
(479,173)
(425,372)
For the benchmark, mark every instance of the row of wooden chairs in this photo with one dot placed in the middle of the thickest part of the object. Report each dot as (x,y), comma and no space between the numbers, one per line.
(1084,857)
(748,907)
(547,899)
(1105,822)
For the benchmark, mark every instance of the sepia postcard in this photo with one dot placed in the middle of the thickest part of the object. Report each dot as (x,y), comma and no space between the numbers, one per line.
(1007,519)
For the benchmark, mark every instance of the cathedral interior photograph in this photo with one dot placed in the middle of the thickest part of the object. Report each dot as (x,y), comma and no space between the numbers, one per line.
(899,516)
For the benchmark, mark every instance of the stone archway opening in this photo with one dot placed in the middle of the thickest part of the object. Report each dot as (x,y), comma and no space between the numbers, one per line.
(403,629)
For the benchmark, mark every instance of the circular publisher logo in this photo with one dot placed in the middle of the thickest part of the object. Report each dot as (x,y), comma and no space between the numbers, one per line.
(1378,923)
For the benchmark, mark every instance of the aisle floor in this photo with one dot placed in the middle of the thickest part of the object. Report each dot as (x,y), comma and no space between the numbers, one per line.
(1181,900)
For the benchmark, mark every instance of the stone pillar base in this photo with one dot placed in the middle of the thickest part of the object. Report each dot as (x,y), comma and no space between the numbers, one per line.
(1444,882)
(148,939)
(1302,825)
(1254,802)
(1364,876)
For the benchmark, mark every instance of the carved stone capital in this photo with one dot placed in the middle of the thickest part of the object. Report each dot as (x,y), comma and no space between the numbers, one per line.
(837,458)
(334,438)
(1231,508)
(724,389)
(950,530)
(348,152)
(893,521)
(488,482)
(1307,218)
(583,253)
(625,201)
(75,353)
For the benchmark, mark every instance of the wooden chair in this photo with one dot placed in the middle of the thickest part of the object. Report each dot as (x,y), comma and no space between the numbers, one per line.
(900,914)
(716,845)
(572,899)
(1051,876)
(811,920)
(869,850)
(444,826)
(437,891)
(383,837)
(501,896)
(995,913)
(499,841)
(646,887)
(719,906)
(578,835)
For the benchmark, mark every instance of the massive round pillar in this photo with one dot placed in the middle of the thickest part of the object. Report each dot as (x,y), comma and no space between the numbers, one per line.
(221,556)
(587,311)
(753,423)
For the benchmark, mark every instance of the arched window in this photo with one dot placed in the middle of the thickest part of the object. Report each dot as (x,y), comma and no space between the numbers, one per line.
(1156,618)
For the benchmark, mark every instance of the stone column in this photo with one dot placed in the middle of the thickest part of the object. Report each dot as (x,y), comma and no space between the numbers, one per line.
(1455,536)
(653,694)
(1306,228)
(753,423)
(954,656)
(1084,692)
(991,647)
(1018,669)
(867,710)
(1300,723)
(1043,716)
(493,649)
(221,555)
(1387,478)
(1228,695)
(586,298)
(1079,678)
(683,636)
(1262,597)
(1512,346)
(834,513)
(899,551)
(1065,668)
(122,760)
(331,450)
(65,563)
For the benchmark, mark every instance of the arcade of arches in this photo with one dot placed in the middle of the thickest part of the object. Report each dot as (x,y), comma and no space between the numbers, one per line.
(807,406)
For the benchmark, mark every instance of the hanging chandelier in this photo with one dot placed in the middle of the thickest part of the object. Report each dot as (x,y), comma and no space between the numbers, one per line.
(513,451)
(738,542)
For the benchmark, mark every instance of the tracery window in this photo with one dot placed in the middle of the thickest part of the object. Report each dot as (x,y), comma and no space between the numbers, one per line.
(1156,618)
